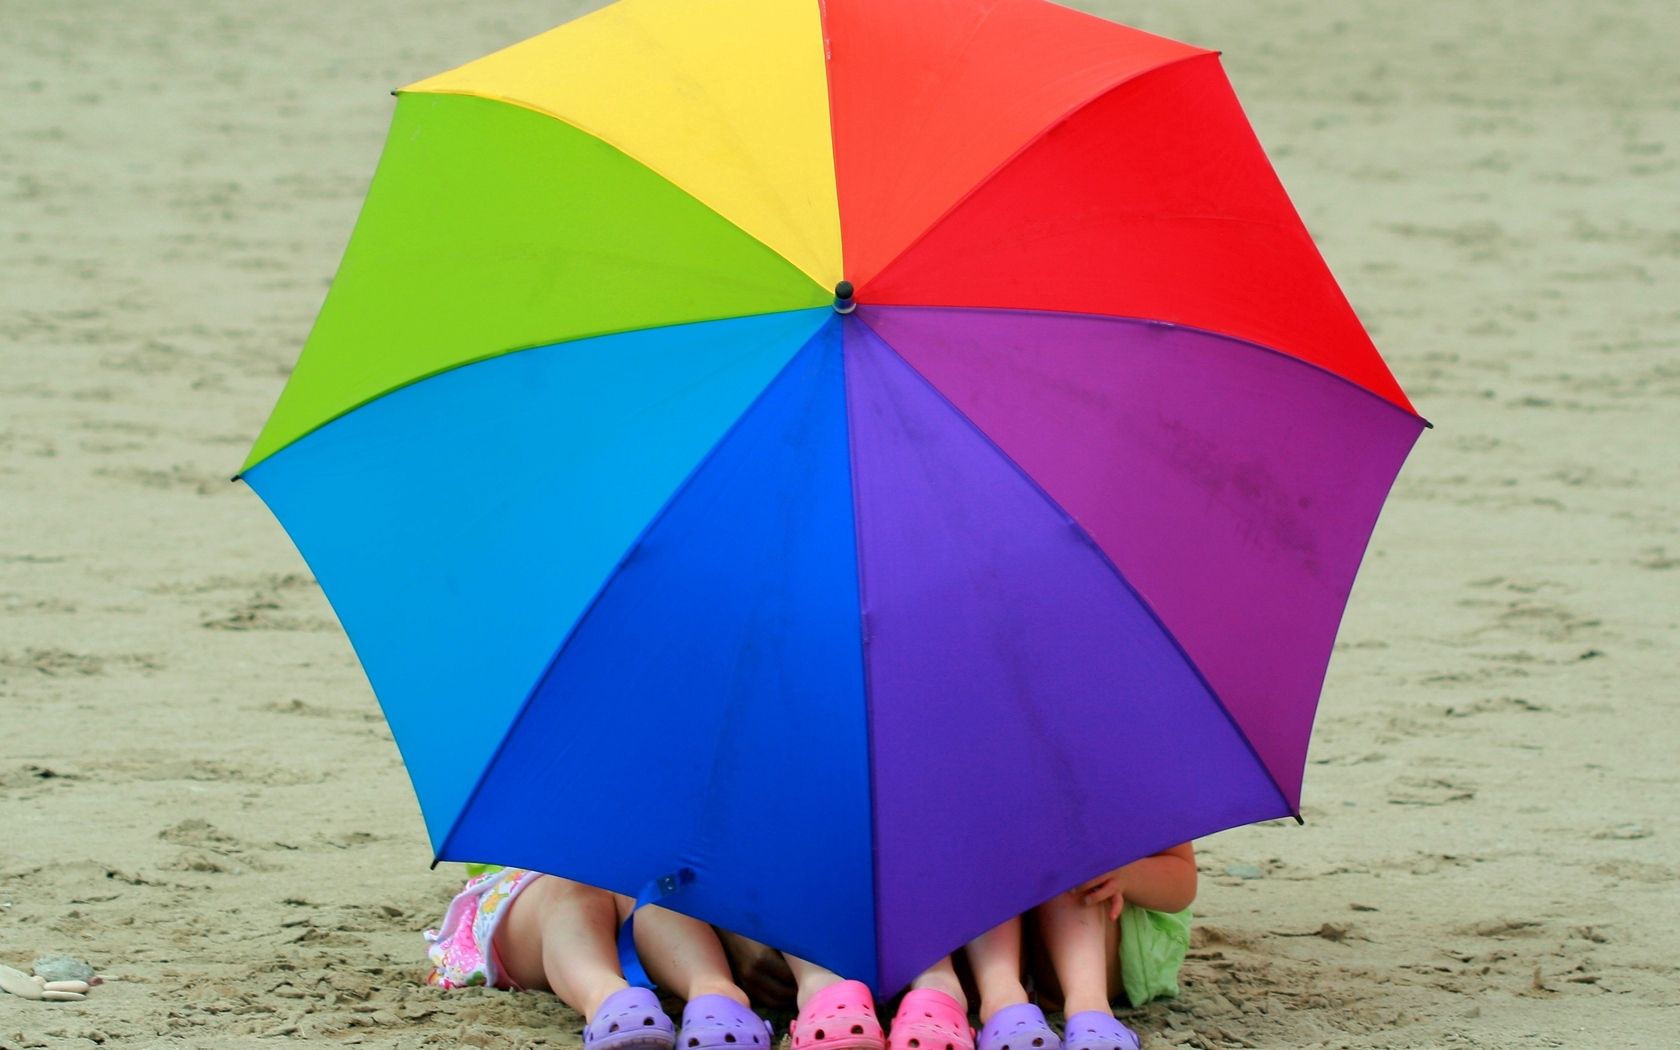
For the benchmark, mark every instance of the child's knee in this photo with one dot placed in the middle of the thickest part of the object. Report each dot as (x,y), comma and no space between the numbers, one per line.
(564,893)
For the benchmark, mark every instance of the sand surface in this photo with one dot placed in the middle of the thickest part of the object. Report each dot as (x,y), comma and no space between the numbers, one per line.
(197,791)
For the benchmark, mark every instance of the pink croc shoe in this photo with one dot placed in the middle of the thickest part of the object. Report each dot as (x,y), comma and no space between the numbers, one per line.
(840,1017)
(929,1019)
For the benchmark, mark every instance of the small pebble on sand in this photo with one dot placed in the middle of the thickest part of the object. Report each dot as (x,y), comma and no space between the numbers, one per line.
(63,968)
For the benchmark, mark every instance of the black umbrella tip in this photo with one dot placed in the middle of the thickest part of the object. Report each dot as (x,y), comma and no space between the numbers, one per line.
(843,301)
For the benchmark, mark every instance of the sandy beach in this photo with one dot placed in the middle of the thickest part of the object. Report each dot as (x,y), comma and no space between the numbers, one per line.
(198,793)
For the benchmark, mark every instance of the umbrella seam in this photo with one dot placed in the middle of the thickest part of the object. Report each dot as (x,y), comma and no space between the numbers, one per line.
(1153,322)
(857,528)
(607,582)
(1034,140)
(493,355)
(1300,228)
(399,93)
(1089,540)
(863,652)
(601,138)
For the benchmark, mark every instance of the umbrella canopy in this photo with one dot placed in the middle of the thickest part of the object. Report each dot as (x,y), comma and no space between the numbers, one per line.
(865,614)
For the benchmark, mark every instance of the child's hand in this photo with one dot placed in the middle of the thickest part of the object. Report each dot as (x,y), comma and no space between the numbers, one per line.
(1104,888)
(1165,881)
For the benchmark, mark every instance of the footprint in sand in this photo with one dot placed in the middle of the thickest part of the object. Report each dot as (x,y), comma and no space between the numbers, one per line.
(207,850)
(1428,791)
(271,602)
(63,663)
(179,477)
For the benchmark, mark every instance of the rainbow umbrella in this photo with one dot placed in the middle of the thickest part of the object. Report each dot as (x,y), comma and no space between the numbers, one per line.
(863,466)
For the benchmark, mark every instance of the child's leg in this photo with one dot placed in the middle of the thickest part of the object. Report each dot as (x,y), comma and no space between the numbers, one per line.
(683,954)
(933,1015)
(995,958)
(760,970)
(809,978)
(686,956)
(1082,943)
(1008,1020)
(841,1014)
(562,935)
(834,1013)
(942,977)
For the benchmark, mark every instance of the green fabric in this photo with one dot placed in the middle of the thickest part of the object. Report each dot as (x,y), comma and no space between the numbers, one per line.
(490,228)
(475,870)
(1152,948)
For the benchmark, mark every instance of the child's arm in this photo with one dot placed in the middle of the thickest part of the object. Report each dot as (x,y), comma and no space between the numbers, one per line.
(1163,882)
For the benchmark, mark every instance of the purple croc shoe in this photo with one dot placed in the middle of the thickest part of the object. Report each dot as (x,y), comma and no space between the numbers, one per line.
(1097,1030)
(717,1022)
(1018,1027)
(630,1019)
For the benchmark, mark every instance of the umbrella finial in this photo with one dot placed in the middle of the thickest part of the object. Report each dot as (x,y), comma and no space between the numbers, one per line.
(843,301)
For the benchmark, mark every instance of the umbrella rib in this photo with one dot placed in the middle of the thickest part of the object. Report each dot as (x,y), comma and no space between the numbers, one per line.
(1086,536)
(606,584)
